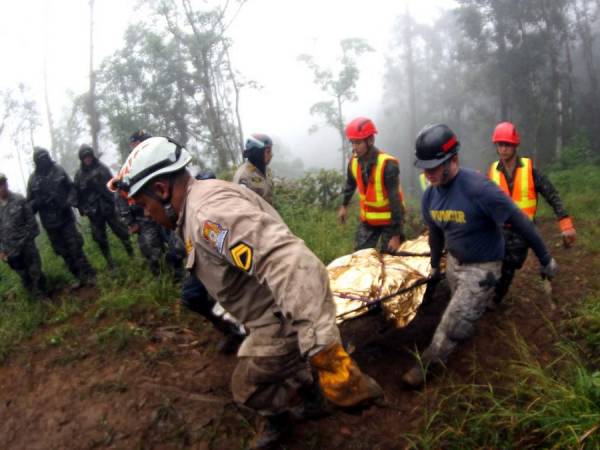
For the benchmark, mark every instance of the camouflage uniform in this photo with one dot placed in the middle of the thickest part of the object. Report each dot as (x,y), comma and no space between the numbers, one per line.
(367,235)
(18,229)
(472,287)
(98,204)
(516,247)
(150,237)
(249,176)
(51,192)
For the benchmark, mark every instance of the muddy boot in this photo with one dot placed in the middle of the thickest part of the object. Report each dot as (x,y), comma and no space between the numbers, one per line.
(272,429)
(314,404)
(415,377)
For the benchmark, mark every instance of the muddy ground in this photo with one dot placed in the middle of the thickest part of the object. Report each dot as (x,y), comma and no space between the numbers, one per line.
(170,390)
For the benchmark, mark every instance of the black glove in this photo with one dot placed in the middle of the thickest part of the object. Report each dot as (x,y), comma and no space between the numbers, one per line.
(435,275)
(549,270)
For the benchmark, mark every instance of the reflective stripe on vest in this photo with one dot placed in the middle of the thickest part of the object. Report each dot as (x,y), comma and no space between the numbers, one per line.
(374,201)
(423,182)
(523,193)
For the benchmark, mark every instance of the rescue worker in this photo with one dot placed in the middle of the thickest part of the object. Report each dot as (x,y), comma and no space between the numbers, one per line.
(51,192)
(254,173)
(98,203)
(522,182)
(263,275)
(377,177)
(195,297)
(464,212)
(18,230)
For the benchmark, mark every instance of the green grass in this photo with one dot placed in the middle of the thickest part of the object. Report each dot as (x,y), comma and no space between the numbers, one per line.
(579,189)
(128,293)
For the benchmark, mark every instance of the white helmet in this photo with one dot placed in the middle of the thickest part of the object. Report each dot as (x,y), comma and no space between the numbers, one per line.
(153,157)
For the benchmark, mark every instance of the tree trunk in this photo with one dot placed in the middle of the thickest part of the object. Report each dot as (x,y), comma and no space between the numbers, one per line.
(344,144)
(410,78)
(94,119)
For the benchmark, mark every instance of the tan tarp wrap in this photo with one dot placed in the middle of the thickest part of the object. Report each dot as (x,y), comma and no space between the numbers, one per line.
(368,275)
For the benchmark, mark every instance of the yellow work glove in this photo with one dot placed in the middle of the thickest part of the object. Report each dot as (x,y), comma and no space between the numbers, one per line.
(341,380)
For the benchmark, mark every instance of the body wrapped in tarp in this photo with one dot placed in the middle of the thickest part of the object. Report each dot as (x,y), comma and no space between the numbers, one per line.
(361,278)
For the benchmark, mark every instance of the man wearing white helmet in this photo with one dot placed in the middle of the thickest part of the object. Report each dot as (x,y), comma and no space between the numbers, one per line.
(262,275)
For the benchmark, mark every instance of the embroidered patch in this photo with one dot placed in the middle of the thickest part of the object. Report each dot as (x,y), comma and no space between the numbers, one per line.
(257,180)
(242,255)
(214,234)
(188,246)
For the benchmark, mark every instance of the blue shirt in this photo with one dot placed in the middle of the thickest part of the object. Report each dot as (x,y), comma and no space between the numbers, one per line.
(467,214)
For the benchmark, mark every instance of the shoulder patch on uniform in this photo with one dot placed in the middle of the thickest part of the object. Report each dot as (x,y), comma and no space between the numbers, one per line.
(215,234)
(242,255)
(188,246)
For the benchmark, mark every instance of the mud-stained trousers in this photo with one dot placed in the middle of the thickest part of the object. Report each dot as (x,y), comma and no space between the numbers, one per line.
(472,287)
(367,236)
(29,267)
(67,242)
(515,254)
(270,384)
(98,224)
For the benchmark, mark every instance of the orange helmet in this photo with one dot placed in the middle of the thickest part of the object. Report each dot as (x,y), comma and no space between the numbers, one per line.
(360,128)
(506,132)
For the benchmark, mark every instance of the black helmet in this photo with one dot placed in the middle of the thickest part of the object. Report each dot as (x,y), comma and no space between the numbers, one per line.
(258,141)
(205,174)
(85,150)
(435,144)
(139,136)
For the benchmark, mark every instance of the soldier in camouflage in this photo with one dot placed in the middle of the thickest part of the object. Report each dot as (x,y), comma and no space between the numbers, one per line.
(51,192)
(98,203)
(18,229)
(254,173)
(150,238)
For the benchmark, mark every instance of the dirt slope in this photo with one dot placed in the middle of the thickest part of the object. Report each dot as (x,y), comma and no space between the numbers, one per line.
(171,391)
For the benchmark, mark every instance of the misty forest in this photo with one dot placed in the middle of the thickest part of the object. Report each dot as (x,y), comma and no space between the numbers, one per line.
(114,356)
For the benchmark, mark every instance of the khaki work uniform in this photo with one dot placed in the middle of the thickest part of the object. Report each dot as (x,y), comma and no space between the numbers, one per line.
(265,277)
(249,176)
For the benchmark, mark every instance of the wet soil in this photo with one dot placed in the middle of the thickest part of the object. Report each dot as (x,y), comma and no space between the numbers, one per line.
(170,389)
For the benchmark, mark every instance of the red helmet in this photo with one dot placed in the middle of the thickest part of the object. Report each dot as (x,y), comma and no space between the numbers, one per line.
(360,128)
(506,132)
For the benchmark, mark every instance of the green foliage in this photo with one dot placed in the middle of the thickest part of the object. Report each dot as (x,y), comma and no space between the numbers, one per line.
(318,188)
(532,406)
(577,153)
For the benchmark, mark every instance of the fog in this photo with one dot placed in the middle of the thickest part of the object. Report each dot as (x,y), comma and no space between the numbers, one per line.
(452,61)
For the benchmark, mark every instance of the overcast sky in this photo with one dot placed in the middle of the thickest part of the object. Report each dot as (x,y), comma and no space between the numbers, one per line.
(268,35)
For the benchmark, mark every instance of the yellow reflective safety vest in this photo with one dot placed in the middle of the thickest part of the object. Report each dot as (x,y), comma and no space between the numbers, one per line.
(423,183)
(523,192)
(374,200)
